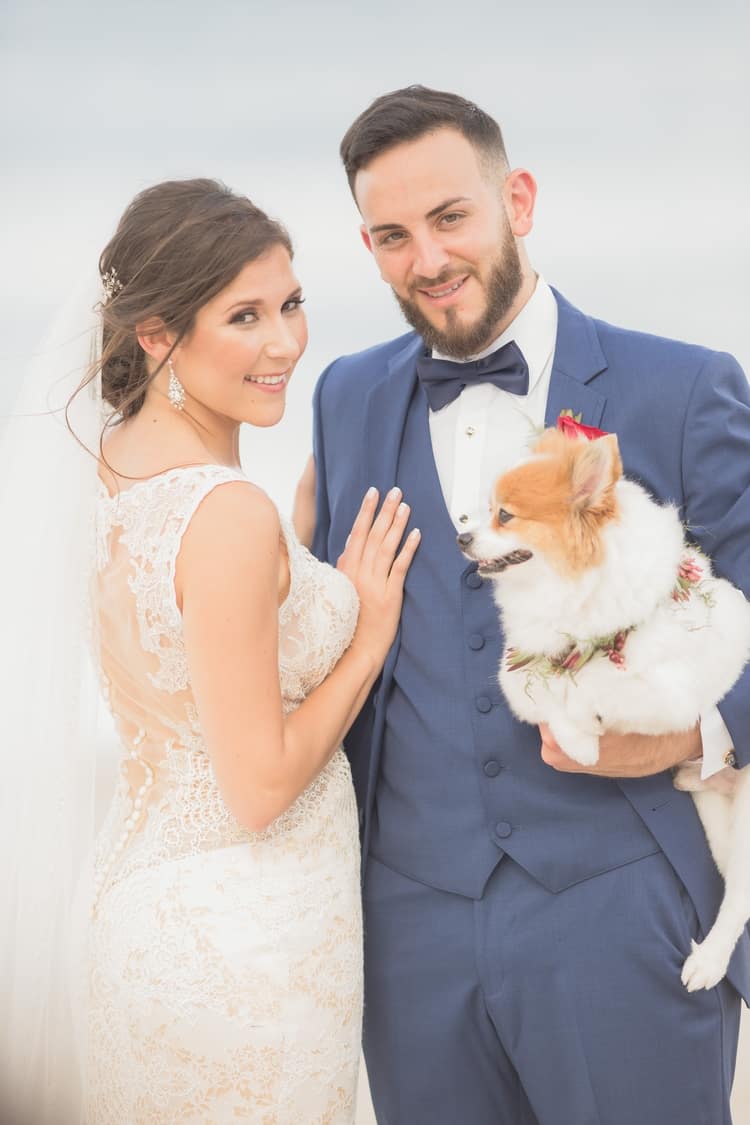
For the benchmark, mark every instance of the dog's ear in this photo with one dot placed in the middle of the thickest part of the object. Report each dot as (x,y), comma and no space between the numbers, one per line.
(595,469)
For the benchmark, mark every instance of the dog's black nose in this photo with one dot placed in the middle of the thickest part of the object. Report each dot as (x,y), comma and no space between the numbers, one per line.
(465,539)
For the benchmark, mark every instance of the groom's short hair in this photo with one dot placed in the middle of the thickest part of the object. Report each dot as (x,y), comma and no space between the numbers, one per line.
(411,113)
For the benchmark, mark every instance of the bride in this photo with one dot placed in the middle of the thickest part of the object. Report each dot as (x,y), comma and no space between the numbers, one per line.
(217,962)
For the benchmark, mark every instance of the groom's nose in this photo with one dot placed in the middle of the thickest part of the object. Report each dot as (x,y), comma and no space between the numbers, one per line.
(430,257)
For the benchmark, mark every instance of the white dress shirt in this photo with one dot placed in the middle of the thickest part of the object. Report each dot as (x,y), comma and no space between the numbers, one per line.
(486,430)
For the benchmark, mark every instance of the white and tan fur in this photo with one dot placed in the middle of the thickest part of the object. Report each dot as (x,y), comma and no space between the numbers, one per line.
(604,557)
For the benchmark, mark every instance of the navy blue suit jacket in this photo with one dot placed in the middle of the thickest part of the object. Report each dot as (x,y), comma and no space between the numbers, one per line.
(682,417)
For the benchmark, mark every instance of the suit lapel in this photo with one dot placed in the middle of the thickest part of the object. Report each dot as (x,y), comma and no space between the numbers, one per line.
(385,420)
(578,360)
(385,415)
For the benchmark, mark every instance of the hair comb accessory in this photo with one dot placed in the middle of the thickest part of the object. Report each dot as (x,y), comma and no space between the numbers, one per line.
(112,284)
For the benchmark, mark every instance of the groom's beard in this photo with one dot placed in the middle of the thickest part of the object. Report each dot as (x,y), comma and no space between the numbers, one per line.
(459,341)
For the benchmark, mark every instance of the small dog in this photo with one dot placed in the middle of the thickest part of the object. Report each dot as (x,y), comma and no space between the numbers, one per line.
(614,623)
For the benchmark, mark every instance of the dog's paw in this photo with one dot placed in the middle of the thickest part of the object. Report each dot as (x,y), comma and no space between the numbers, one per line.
(687,777)
(704,968)
(584,750)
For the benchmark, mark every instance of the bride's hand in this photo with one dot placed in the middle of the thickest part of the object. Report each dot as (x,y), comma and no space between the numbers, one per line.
(373,562)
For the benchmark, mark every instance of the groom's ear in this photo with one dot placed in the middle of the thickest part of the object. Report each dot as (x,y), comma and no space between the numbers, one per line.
(519,197)
(365,234)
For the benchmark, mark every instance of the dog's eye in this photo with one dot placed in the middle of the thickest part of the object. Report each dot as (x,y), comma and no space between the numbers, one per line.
(503,516)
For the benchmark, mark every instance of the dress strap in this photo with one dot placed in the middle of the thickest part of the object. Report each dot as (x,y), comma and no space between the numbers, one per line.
(152,517)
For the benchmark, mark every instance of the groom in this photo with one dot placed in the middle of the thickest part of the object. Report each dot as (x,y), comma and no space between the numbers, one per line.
(526,922)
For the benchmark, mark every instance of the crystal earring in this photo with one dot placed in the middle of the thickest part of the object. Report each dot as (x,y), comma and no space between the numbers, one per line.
(176,391)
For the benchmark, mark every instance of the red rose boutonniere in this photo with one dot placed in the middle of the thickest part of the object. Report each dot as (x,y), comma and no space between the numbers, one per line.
(573,427)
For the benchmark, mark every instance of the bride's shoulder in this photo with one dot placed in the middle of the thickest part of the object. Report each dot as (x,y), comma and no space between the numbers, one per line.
(233,535)
(229,495)
(232,513)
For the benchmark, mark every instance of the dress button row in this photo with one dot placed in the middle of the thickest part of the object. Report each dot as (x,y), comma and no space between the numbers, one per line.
(503,829)
(492,768)
(131,822)
(484,704)
(476,641)
(473,580)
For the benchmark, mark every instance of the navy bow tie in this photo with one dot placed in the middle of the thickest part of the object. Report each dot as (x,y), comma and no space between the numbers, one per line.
(443,380)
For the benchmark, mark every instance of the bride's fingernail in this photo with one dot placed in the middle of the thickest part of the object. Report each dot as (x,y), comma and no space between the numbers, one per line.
(394,493)
(402,509)
(415,533)
(371,493)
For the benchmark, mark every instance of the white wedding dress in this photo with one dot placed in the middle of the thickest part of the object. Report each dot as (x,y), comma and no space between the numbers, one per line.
(225,966)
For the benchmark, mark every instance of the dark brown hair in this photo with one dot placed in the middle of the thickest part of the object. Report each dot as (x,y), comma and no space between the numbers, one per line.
(411,113)
(177,245)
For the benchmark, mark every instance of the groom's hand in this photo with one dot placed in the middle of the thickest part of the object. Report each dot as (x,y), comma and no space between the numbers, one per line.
(303,512)
(627,755)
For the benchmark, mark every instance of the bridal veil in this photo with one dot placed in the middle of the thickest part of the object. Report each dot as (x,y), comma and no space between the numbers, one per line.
(49,703)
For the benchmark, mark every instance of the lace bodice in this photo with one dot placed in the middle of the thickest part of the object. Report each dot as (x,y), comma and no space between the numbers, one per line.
(168,803)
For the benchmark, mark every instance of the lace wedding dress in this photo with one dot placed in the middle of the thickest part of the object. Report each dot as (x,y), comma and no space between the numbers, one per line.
(226,966)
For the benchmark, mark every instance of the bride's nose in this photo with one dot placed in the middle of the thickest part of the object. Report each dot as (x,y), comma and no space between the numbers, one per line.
(283,343)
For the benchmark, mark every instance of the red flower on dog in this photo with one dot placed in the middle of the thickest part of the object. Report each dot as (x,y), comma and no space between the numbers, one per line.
(569,426)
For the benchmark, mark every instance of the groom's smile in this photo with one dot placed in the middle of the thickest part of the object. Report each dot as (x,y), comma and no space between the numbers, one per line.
(444,294)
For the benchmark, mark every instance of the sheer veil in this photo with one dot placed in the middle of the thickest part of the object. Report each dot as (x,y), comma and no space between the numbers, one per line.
(49,702)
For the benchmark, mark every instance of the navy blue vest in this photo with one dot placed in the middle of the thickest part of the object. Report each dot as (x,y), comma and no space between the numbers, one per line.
(461,781)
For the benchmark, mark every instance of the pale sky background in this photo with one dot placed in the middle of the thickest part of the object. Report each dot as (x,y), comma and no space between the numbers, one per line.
(632,116)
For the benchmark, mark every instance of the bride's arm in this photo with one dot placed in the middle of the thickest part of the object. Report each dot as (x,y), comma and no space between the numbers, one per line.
(227,583)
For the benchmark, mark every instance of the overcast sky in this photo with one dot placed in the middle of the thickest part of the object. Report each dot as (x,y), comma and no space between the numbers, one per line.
(632,116)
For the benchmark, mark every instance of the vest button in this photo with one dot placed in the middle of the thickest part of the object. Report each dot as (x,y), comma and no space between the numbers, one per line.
(473,580)
(484,704)
(492,768)
(476,641)
(503,829)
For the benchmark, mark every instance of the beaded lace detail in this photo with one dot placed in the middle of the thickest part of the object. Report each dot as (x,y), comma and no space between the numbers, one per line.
(226,965)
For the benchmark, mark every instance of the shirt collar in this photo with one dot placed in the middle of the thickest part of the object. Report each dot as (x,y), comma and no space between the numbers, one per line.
(534,330)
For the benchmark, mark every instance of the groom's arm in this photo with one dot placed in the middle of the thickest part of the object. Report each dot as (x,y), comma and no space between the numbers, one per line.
(303,512)
(716,476)
(322,511)
(627,755)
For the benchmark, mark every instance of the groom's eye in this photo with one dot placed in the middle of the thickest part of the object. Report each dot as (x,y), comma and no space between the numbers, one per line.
(504,516)
(390,238)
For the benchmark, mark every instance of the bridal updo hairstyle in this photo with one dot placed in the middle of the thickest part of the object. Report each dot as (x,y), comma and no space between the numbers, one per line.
(177,245)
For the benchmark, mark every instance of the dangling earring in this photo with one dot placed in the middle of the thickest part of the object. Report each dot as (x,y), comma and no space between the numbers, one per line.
(176,391)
